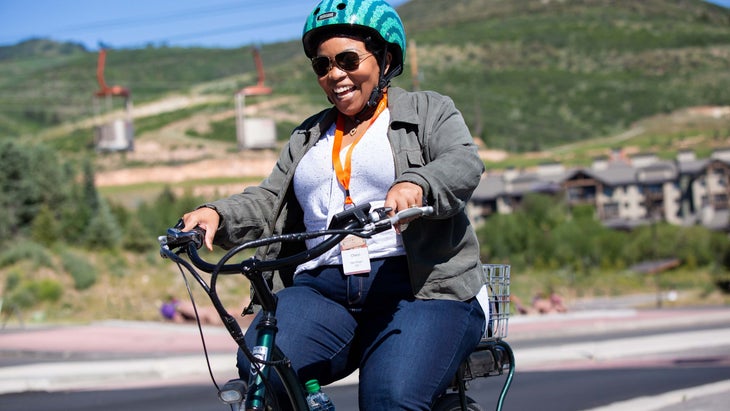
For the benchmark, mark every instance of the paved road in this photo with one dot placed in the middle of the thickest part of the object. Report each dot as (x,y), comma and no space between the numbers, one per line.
(128,355)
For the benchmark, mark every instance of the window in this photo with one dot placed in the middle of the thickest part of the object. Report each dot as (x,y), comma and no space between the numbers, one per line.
(654,189)
(611,210)
(721,202)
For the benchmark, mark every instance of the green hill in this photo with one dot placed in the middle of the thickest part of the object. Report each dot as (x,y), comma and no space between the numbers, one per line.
(528,75)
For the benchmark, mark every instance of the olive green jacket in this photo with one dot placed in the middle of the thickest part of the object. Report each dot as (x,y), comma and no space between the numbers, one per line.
(432,147)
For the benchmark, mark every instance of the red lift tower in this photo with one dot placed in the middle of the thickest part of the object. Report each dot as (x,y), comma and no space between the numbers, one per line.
(113,131)
(254,133)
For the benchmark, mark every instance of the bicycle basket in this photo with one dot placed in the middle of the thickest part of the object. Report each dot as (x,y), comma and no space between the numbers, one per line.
(497,279)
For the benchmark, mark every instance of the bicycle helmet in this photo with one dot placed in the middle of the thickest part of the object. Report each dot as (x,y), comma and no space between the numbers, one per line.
(359,18)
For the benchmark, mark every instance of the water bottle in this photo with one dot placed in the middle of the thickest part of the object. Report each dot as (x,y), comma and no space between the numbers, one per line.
(316,399)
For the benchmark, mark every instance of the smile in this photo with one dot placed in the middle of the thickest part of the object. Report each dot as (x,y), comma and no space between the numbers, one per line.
(342,91)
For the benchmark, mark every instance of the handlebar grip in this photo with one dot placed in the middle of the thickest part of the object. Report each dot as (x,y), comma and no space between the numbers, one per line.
(178,238)
(414,212)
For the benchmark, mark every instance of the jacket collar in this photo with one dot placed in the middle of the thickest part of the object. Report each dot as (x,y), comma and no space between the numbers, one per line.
(402,110)
(402,107)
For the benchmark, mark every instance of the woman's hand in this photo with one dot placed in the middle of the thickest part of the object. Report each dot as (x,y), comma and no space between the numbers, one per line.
(403,196)
(207,219)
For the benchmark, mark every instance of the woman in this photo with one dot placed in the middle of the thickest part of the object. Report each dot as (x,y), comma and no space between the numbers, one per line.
(409,320)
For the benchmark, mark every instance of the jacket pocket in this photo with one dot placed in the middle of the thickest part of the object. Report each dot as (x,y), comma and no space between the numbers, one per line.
(415,157)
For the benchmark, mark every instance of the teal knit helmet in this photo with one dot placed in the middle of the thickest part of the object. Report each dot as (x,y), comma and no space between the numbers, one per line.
(374,17)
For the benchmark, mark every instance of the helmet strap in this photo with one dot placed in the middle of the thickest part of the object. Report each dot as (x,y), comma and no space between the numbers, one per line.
(377,93)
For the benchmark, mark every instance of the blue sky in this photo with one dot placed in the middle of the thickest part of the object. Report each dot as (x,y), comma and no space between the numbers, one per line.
(136,23)
(724,3)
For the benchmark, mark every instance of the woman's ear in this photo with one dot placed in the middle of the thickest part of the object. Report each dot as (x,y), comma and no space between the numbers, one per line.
(388,59)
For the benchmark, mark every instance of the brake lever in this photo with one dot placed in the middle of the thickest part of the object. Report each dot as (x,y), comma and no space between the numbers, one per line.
(379,214)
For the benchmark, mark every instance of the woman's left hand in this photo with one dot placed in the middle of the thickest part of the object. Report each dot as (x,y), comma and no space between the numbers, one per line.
(403,196)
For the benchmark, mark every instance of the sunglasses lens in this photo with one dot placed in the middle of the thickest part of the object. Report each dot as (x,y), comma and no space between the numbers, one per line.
(321,65)
(348,60)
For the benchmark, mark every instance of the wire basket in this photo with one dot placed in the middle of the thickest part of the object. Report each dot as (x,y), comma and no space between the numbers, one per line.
(496,278)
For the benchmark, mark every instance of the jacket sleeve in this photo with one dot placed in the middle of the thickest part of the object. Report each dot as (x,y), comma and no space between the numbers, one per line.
(249,214)
(452,167)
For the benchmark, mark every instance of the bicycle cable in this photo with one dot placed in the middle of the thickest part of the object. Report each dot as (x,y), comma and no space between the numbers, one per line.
(200,327)
(257,364)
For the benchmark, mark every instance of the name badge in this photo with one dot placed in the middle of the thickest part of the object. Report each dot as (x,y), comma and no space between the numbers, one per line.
(355,257)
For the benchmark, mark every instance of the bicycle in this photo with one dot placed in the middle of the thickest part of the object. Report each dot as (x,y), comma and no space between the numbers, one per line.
(491,357)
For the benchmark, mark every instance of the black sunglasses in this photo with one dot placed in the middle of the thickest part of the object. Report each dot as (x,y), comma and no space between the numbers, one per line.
(346,61)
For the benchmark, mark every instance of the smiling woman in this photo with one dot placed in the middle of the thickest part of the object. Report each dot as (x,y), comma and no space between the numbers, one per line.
(364,303)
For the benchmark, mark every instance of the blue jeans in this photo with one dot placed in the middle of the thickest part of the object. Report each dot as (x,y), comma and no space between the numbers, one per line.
(407,349)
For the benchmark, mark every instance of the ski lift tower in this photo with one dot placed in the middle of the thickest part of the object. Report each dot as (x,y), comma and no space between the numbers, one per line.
(254,133)
(113,131)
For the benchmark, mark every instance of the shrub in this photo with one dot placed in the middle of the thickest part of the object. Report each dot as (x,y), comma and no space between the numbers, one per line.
(137,238)
(82,272)
(47,289)
(24,294)
(26,250)
(13,280)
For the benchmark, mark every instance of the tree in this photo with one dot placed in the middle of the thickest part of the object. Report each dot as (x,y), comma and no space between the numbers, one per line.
(103,231)
(90,195)
(166,210)
(30,177)
(45,227)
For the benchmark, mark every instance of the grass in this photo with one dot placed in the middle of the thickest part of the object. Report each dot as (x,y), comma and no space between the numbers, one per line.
(694,286)
(132,293)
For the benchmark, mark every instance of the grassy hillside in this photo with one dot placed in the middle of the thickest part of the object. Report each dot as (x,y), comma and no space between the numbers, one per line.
(535,74)
(528,75)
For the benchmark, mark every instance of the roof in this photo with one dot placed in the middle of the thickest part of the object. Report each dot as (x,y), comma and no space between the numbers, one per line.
(492,186)
(615,173)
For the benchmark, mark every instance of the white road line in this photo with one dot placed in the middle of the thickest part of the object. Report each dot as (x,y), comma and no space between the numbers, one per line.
(622,348)
(657,402)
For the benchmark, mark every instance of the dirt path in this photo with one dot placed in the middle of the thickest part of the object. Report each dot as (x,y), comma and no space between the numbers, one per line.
(244,164)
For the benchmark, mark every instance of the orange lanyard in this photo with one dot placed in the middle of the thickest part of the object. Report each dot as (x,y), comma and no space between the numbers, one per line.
(344,173)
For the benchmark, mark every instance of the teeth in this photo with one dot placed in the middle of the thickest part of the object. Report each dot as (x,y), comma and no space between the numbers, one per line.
(340,90)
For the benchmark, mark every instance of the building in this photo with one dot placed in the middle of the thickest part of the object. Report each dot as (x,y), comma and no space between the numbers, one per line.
(625,192)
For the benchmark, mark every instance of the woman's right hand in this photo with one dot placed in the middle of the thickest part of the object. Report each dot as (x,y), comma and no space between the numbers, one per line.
(205,218)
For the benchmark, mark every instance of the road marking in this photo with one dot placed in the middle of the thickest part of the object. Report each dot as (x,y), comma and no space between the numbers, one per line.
(657,402)
(622,348)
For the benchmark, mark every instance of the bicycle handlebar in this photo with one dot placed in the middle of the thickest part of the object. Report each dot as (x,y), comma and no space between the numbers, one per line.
(359,221)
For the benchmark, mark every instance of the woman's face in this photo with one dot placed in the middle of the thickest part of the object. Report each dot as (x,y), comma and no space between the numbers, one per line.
(348,91)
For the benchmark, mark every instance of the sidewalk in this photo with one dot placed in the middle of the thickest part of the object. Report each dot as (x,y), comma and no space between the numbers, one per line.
(119,354)
(111,354)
